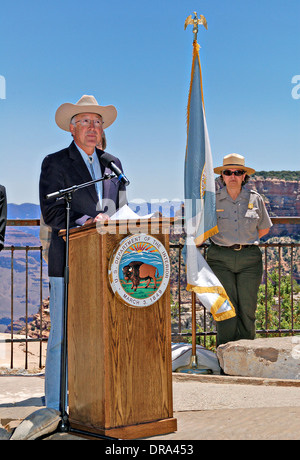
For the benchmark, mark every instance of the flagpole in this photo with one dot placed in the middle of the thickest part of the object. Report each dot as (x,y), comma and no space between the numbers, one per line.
(193,367)
(194,359)
(194,354)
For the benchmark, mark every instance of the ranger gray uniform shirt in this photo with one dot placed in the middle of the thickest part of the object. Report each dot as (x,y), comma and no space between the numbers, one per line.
(240,220)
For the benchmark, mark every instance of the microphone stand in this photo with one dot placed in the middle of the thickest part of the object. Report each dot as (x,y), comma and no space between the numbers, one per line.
(67,194)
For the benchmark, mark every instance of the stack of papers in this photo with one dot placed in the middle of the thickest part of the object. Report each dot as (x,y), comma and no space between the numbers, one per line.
(125,213)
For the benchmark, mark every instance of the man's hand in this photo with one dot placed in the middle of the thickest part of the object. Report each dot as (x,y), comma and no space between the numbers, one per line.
(101,217)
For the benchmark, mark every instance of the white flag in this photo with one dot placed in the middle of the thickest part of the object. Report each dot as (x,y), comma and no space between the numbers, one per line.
(202,280)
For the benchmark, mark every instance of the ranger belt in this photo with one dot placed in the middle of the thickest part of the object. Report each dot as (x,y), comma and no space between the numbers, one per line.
(236,247)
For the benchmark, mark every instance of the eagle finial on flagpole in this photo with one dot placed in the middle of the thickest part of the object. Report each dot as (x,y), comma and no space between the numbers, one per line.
(195,21)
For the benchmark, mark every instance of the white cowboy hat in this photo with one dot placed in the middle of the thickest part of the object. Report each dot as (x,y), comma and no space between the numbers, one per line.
(86,104)
(234,161)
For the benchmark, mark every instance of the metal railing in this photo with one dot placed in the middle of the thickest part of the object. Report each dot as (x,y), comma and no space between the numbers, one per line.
(205,325)
(27,339)
(13,337)
(205,329)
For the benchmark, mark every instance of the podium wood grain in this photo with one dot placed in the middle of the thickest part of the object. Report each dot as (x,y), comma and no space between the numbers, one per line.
(119,358)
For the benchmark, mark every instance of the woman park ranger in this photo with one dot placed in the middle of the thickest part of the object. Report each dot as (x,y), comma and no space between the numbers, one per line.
(234,255)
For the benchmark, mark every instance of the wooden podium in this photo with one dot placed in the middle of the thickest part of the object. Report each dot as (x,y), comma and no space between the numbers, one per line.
(119,358)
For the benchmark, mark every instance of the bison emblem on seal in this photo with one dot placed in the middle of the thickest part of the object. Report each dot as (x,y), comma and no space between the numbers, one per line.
(137,271)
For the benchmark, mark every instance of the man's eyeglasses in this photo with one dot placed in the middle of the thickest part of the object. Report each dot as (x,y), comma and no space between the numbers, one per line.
(86,122)
(238,172)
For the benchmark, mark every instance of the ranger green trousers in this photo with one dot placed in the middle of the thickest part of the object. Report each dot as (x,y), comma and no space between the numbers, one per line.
(240,273)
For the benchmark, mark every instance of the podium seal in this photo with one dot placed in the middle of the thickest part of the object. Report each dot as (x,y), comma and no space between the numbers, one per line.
(139,270)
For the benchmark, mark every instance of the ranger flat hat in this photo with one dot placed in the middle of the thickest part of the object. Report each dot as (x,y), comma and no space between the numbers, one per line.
(86,104)
(234,160)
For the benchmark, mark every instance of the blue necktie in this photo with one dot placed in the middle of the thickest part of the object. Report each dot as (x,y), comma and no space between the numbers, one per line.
(97,184)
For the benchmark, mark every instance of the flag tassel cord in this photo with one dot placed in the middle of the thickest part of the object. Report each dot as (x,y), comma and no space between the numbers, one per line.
(196,48)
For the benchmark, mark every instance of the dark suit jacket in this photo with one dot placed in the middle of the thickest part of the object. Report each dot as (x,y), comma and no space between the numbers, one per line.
(3,215)
(64,169)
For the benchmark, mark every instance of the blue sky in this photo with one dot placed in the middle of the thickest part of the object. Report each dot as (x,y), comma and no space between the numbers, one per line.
(137,56)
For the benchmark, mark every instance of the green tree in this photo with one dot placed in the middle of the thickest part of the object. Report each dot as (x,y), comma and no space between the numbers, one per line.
(275,312)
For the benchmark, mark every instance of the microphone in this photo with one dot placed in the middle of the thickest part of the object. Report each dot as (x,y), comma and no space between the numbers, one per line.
(108,161)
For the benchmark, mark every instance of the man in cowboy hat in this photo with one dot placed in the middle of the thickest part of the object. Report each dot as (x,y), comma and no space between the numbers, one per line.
(79,163)
(234,255)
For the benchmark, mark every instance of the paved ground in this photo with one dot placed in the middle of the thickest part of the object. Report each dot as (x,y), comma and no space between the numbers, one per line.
(206,407)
